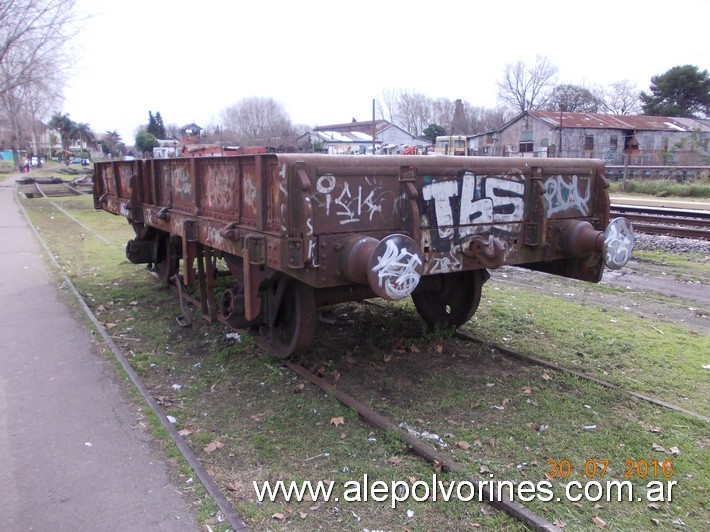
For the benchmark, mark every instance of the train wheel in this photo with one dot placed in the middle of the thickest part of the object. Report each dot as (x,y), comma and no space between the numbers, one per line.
(167,258)
(291,317)
(454,301)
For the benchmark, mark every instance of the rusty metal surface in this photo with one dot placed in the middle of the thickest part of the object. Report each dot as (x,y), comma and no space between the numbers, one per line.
(297,231)
(463,213)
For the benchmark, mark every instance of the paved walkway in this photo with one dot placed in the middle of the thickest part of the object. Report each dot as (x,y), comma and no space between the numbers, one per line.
(70,457)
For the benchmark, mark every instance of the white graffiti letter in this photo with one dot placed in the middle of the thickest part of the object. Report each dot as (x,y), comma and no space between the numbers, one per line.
(396,271)
(473,211)
(440,192)
(508,198)
(562,195)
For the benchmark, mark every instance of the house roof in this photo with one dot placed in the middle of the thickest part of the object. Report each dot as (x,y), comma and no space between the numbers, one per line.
(341,136)
(192,126)
(635,122)
(365,126)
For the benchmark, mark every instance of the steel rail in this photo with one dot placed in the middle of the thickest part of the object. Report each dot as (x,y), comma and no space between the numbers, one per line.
(682,223)
(606,384)
(659,211)
(671,230)
(97,235)
(377,420)
(188,454)
(651,218)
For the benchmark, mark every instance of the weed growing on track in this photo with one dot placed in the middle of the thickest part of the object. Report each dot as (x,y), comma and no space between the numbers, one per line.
(495,416)
(660,360)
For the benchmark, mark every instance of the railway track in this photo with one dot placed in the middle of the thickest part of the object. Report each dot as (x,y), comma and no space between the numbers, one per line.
(419,447)
(681,223)
(422,449)
(47,187)
(605,384)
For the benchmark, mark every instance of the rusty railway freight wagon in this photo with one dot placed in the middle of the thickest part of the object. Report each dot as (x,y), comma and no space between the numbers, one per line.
(297,231)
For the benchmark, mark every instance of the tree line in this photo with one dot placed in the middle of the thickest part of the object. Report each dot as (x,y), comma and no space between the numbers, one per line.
(34,62)
(682,91)
(33,65)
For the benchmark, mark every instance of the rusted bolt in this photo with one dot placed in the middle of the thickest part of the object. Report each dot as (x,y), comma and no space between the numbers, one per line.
(291,260)
(339,246)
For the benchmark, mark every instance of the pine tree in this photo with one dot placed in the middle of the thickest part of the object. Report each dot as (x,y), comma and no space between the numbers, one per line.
(161,134)
(153,128)
(681,91)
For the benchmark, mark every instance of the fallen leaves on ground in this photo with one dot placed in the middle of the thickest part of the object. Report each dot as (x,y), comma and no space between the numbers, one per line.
(599,522)
(213,446)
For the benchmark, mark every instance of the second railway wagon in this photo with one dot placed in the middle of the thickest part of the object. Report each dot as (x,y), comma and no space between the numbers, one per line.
(297,231)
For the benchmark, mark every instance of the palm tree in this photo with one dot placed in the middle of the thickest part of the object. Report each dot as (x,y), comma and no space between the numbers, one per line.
(82,132)
(111,141)
(63,124)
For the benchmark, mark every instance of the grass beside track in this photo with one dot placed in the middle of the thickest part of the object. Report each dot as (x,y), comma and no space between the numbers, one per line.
(496,416)
(692,188)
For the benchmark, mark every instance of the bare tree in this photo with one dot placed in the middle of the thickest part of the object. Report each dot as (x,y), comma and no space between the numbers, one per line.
(494,119)
(442,113)
(33,31)
(257,121)
(387,104)
(620,98)
(33,35)
(572,99)
(475,119)
(524,88)
(42,95)
(414,112)
(111,144)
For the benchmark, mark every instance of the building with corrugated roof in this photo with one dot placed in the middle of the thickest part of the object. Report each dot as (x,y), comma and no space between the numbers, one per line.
(618,139)
(356,137)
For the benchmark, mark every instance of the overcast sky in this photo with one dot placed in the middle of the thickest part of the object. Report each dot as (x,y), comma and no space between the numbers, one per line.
(326,61)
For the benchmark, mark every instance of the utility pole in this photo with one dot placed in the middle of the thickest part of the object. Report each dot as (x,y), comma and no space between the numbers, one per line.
(560,149)
(373,126)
